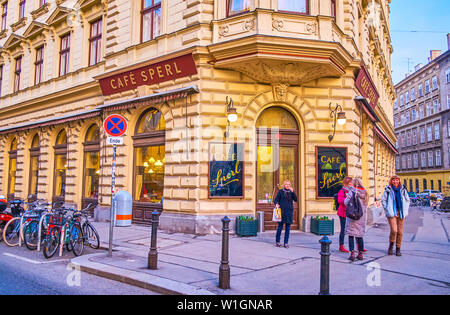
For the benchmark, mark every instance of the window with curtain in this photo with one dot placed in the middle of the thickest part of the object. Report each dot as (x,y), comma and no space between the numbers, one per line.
(39,65)
(95,43)
(91,163)
(297,6)
(149,143)
(64,55)
(151,19)
(238,6)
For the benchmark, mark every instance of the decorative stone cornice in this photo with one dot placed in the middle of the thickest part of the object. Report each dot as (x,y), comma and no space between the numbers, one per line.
(22,22)
(3,33)
(40,11)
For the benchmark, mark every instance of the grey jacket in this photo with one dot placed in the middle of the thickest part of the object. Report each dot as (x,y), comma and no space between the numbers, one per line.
(387,200)
(356,228)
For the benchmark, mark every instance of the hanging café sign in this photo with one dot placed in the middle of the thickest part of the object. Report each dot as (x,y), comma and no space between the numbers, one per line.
(162,71)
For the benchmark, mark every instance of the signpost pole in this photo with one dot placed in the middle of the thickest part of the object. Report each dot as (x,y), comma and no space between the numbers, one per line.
(113,210)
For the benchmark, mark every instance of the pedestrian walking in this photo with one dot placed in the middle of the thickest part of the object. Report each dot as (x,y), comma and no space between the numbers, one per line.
(342,210)
(395,201)
(285,200)
(356,228)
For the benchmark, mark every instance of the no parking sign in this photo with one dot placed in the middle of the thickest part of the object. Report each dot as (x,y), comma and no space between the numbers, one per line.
(115,125)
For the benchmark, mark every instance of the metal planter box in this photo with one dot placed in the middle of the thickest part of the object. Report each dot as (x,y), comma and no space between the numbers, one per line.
(246,228)
(322,227)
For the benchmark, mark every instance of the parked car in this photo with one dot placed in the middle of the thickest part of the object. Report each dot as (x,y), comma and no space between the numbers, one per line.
(412,195)
(430,193)
(3,203)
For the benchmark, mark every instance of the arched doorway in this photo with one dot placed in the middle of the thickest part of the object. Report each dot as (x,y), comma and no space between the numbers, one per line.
(149,163)
(34,169)
(91,172)
(59,176)
(277,134)
(12,169)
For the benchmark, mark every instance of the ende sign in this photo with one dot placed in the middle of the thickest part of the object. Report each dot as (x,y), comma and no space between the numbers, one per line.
(151,74)
(366,87)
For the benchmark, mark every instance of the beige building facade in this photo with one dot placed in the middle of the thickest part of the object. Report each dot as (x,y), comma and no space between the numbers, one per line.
(286,65)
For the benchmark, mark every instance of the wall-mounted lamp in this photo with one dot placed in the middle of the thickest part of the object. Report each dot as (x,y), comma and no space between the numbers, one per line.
(338,117)
(231,114)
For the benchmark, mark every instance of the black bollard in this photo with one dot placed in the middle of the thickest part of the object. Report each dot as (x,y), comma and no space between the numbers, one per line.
(224,269)
(325,266)
(153,253)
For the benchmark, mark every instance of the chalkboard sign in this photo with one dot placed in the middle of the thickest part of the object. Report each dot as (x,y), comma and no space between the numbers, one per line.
(331,170)
(226,170)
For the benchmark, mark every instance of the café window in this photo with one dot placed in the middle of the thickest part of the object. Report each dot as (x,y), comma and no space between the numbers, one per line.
(297,6)
(34,167)
(91,165)
(12,169)
(59,189)
(237,6)
(151,19)
(149,146)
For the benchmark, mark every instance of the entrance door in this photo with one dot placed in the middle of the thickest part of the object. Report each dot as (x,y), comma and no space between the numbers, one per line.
(277,160)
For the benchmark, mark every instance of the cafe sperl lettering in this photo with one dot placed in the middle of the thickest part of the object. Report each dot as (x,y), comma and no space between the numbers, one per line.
(151,74)
(366,87)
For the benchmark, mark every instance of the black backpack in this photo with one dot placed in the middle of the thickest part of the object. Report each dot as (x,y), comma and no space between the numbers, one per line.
(354,208)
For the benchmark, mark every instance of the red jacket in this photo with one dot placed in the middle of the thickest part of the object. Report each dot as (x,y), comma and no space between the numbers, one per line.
(342,210)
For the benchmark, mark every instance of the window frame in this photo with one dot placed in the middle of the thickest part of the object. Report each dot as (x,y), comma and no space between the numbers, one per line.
(39,65)
(64,53)
(440,158)
(17,73)
(228,8)
(97,39)
(22,8)
(308,8)
(4,15)
(144,12)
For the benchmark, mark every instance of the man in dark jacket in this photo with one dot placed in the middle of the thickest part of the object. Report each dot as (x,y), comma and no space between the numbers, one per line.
(285,200)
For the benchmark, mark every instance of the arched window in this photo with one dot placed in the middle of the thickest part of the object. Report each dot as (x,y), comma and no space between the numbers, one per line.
(12,169)
(59,189)
(91,166)
(149,161)
(277,158)
(34,168)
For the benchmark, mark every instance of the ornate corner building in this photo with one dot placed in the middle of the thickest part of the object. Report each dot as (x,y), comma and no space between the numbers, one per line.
(422,125)
(170,67)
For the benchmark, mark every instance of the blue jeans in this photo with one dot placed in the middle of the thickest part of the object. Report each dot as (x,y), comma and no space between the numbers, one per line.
(342,233)
(286,232)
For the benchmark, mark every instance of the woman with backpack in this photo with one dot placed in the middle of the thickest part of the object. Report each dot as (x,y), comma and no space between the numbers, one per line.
(356,227)
(395,201)
(342,210)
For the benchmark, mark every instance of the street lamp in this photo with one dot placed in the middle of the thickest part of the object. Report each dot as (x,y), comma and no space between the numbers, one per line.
(338,117)
(231,114)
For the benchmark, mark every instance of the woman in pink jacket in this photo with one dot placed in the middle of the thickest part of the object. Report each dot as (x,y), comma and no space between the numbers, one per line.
(342,211)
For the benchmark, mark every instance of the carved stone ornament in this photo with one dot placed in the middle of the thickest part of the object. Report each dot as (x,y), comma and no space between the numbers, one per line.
(311,28)
(277,24)
(250,24)
(280,91)
(223,30)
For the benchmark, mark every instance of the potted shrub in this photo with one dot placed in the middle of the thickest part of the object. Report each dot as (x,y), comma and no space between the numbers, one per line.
(322,225)
(246,226)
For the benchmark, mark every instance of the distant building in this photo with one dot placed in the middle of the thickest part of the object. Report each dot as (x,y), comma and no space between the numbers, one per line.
(422,125)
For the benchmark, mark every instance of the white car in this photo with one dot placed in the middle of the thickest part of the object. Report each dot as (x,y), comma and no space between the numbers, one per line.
(430,192)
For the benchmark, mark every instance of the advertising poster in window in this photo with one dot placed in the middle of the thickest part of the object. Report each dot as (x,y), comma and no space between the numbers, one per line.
(331,170)
(226,170)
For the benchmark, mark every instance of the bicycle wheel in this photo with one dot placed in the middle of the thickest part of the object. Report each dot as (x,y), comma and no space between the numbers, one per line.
(30,234)
(11,232)
(76,240)
(91,236)
(51,242)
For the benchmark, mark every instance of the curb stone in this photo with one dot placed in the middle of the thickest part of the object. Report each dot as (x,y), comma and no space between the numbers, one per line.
(139,279)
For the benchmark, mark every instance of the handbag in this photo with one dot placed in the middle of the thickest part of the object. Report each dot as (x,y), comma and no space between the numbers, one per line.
(276,216)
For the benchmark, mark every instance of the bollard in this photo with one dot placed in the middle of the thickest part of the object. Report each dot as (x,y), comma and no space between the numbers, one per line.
(325,266)
(153,253)
(224,269)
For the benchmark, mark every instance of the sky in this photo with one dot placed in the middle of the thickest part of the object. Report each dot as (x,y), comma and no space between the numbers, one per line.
(417,26)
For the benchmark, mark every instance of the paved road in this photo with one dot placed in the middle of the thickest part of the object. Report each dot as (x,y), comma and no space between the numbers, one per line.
(26,272)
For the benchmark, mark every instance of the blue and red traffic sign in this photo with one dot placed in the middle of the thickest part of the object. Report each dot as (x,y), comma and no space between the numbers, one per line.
(115,125)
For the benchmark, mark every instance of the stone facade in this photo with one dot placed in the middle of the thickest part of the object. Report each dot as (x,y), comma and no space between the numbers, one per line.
(261,58)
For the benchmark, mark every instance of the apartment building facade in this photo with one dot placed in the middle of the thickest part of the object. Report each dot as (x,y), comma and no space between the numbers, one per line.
(174,69)
(421,113)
